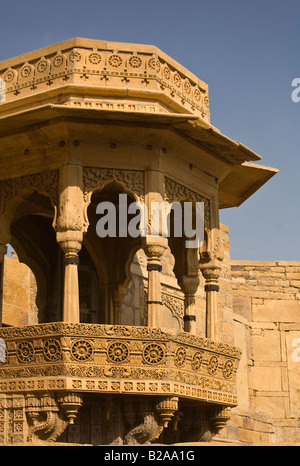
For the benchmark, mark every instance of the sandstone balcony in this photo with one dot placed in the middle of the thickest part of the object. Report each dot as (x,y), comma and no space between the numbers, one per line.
(50,368)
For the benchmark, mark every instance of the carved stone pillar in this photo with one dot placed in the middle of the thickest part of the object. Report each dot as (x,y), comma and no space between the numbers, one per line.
(71,309)
(210,266)
(3,251)
(154,248)
(70,226)
(211,274)
(189,285)
(119,293)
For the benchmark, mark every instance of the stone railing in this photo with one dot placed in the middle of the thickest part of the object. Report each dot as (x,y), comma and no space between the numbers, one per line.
(60,357)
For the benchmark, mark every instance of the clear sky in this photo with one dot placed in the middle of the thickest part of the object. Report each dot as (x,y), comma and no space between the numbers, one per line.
(247,52)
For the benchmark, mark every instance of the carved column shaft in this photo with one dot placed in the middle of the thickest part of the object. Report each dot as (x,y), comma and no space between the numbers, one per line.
(119,293)
(211,257)
(211,275)
(189,285)
(154,249)
(3,251)
(154,243)
(70,227)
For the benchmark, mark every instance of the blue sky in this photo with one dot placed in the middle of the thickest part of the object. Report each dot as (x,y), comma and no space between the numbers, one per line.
(247,52)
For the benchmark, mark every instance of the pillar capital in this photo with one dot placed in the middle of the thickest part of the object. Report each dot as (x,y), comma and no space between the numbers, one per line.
(154,247)
(70,242)
(211,271)
(189,284)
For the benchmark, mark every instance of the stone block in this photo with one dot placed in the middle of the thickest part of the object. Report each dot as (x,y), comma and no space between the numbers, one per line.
(266,378)
(293,275)
(276,310)
(271,406)
(266,347)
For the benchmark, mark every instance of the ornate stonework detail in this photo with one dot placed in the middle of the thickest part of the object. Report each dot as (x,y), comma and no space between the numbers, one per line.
(218,418)
(97,178)
(58,61)
(156,419)
(115,61)
(25,351)
(93,358)
(213,365)
(44,420)
(135,61)
(74,56)
(42,66)
(145,433)
(176,192)
(154,63)
(197,360)
(175,304)
(118,352)
(45,183)
(228,369)
(10,75)
(94,58)
(213,249)
(26,70)
(52,350)
(153,353)
(70,403)
(82,350)
(180,356)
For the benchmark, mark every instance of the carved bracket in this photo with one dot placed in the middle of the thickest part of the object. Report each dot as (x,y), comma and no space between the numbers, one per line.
(153,423)
(49,417)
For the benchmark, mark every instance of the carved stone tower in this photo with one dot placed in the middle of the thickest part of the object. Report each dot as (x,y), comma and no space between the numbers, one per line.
(83,122)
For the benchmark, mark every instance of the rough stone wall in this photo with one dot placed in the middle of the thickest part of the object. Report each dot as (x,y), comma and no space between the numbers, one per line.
(266,305)
(19,291)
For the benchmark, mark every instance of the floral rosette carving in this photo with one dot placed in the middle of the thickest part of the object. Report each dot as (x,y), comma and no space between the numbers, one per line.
(52,350)
(153,353)
(82,350)
(25,351)
(180,356)
(118,352)
(228,369)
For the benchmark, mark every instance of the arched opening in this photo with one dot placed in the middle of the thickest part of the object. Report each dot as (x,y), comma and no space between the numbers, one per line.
(32,279)
(111,249)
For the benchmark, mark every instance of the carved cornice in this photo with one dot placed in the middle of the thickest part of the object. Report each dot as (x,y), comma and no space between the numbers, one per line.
(143,70)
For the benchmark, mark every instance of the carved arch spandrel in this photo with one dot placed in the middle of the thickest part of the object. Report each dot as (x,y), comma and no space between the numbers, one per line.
(177,192)
(14,190)
(97,178)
